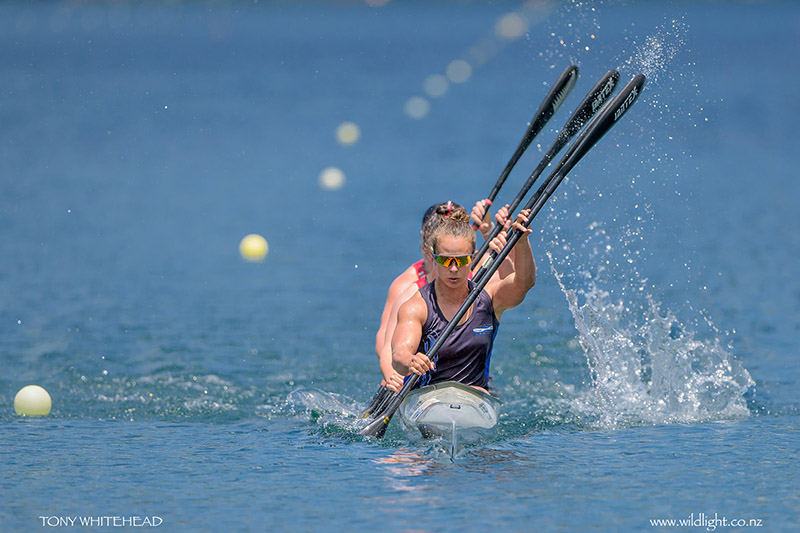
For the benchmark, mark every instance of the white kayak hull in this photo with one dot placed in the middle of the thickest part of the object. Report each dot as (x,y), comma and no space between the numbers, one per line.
(443,409)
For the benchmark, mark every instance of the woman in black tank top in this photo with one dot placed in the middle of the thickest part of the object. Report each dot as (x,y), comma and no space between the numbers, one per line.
(464,357)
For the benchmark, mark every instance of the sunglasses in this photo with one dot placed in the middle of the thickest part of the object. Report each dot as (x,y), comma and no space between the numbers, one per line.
(448,260)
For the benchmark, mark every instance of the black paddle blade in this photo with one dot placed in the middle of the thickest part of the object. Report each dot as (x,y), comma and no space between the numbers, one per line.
(593,102)
(551,103)
(561,89)
(377,427)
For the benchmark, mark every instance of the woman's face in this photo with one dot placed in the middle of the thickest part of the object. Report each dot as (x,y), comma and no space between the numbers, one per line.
(453,276)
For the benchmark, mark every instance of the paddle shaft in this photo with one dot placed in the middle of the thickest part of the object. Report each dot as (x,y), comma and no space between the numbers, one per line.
(585,110)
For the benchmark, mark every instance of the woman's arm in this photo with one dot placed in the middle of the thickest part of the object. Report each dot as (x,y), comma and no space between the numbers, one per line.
(410,319)
(511,290)
(393,380)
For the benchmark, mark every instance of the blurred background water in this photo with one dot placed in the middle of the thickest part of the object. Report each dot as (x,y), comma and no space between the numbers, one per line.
(650,374)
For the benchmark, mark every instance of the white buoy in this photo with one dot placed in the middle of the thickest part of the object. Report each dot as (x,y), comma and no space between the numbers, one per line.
(331,178)
(32,401)
(253,248)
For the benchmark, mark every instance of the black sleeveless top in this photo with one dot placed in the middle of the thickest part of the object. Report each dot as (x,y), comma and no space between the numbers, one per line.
(465,355)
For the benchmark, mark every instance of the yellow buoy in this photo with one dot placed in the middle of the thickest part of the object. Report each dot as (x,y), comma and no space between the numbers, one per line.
(348,133)
(32,401)
(253,247)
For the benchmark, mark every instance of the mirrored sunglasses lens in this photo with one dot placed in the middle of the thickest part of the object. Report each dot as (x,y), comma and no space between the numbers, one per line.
(459,261)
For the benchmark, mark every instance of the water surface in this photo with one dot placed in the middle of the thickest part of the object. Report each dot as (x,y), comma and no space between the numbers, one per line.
(650,374)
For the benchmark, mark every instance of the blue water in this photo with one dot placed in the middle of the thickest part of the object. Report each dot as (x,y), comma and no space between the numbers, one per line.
(651,373)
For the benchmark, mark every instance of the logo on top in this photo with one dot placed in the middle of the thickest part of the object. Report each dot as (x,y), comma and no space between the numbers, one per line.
(483,329)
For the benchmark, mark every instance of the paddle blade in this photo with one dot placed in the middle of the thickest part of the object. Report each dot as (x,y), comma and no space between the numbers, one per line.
(377,427)
(552,102)
(593,101)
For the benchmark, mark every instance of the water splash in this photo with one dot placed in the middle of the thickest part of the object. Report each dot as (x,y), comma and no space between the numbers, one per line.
(318,402)
(645,364)
(160,396)
(654,55)
(335,415)
(648,367)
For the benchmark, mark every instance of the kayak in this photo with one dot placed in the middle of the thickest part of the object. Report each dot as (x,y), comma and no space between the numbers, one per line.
(450,410)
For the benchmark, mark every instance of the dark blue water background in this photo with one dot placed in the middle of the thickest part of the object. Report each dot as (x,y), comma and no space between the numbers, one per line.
(650,374)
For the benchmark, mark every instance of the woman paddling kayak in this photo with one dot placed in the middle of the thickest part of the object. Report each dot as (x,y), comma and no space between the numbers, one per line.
(417,274)
(434,216)
(466,354)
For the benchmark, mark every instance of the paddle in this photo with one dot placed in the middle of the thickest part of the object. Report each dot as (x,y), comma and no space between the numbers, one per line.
(597,128)
(551,103)
(585,110)
(588,138)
